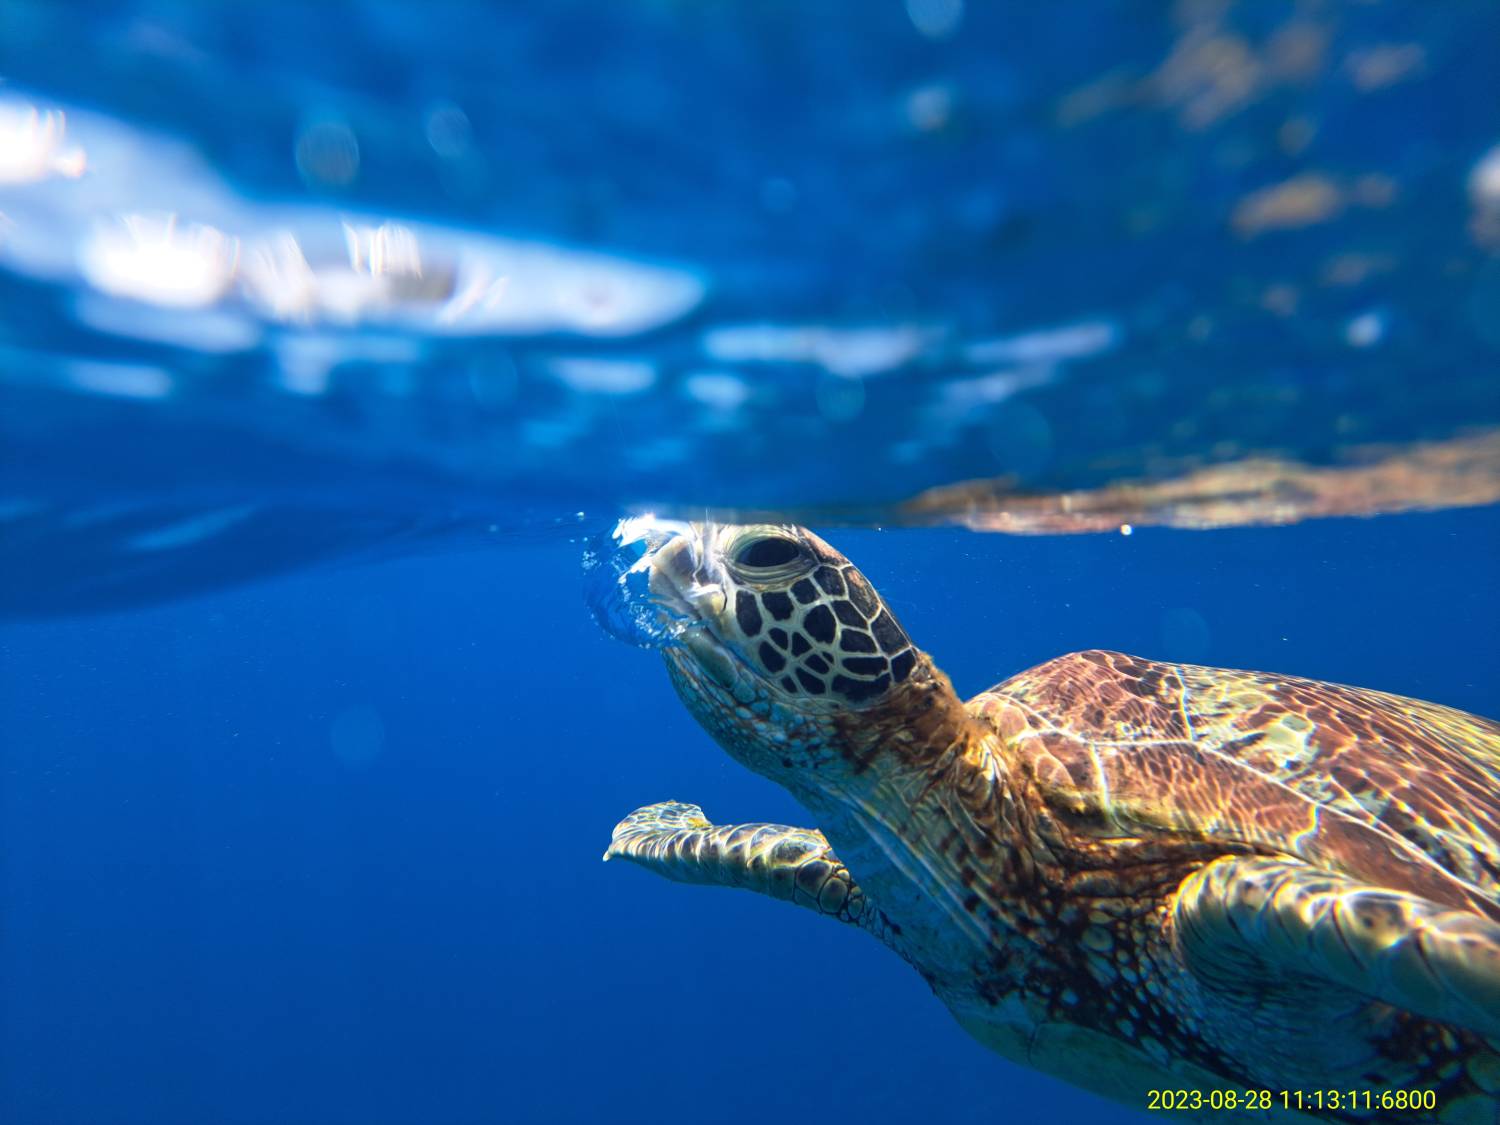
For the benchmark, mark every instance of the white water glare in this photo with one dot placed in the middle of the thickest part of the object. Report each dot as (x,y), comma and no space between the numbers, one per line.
(152,224)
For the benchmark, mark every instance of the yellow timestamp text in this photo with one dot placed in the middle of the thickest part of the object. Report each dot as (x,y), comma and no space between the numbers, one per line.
(1305,1101)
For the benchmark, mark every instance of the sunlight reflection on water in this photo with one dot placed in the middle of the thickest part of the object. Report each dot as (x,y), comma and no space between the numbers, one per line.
(1198,265)
(150,223)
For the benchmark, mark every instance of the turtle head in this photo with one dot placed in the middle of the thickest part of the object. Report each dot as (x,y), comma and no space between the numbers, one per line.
(779,641)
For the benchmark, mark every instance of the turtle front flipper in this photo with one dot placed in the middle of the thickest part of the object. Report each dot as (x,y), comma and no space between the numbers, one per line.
(793,864)
(1243,925)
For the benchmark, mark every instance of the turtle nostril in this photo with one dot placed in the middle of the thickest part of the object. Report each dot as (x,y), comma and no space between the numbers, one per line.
(681,560)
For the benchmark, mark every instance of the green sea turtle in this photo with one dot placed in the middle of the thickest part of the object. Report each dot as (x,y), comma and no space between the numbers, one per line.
(1136,876)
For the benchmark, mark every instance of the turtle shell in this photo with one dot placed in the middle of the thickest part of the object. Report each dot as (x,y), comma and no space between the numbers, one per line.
(1397,792)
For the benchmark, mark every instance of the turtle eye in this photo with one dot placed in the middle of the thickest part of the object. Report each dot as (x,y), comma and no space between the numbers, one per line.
(766,552)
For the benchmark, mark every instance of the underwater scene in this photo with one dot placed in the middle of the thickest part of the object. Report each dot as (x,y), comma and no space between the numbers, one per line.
(1018,480)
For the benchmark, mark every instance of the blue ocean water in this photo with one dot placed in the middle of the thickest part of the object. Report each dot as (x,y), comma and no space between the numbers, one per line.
(331,334)
(326,849)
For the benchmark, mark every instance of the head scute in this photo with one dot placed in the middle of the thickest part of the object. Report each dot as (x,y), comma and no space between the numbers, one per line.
(808,621)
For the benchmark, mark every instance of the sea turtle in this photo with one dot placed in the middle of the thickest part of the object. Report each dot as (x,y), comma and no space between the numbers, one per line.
(1252,891)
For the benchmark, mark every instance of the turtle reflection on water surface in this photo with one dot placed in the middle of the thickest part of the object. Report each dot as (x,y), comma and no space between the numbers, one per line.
(1128,874)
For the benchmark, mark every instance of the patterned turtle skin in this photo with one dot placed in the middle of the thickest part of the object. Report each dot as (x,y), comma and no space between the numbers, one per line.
(1132,875)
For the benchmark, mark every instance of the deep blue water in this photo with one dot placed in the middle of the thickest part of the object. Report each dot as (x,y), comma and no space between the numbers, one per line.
(330,333)
(210,915)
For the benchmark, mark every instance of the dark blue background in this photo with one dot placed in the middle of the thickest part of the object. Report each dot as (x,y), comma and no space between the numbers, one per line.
(208,915)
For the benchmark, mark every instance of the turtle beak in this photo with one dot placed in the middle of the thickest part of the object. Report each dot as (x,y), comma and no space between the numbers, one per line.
(684,582)
(645,584)
(674,567)
(680,582)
